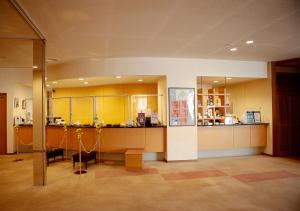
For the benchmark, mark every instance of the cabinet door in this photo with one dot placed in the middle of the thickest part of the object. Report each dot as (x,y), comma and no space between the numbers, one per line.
(54,136)
(215,137)
(135,138)
(154,140)
(112,139)
(241,136)
(258,135)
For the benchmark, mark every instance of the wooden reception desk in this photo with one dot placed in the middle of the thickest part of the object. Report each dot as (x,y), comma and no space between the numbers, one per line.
(232,136)
(150,139)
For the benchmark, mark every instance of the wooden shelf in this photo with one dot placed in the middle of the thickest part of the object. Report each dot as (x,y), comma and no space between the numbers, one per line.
(216,96)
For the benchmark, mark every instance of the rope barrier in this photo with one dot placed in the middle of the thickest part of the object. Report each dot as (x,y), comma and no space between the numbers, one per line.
(97,141)
(65,135)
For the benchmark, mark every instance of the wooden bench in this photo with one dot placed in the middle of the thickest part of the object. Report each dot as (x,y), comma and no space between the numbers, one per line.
(85,157)
(134,159)
(54,152)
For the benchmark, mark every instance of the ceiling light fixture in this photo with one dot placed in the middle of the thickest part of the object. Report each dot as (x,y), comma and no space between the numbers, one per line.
(228,78)
(140,80)
(81,79)
(249,42)
(86,82)
(216,81)
(54,82)
(118,76)
(233,49)
(34,67)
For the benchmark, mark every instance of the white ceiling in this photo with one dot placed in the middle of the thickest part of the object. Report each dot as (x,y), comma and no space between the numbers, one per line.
(97,81)
(15,38)
(168,28)
(12,24)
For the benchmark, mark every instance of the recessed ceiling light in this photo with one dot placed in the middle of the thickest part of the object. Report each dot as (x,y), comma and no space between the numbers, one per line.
(249,42)
(81,79)
(228,78)
(54,82)
(34,67)
(86,82)
(233,49)
(118,76)
(216,81)
(47,85)
(140,80)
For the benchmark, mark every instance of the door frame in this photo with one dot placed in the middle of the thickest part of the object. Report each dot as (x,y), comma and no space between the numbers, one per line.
(273,65)
(5,117)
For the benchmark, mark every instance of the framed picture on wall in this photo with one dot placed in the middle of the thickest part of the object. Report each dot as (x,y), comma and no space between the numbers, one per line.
(23,104)
(16,102)
(181,106)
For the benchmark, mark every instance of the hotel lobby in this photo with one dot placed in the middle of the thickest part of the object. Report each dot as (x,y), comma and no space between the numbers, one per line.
(149,105)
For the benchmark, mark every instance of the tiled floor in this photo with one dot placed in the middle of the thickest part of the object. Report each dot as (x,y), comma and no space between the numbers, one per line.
(236,183)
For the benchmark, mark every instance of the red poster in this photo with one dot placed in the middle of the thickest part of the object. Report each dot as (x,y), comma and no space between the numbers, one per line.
(183,104)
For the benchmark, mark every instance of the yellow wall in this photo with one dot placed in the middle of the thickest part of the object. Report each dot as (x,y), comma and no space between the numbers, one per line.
(110,110)
(254,95)
(162,102)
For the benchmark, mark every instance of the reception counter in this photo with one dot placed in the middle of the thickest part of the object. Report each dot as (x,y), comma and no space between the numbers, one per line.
(232,136)
(212,139)
(112,139)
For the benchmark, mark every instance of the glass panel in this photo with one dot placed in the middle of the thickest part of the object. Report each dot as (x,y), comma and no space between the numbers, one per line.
(61,108)
(82,110)
(144,104)
(112,109)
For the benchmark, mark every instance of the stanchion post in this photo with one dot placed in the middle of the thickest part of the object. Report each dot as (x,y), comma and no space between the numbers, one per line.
(66,138)
(79,136)
(17,143)
(98,129)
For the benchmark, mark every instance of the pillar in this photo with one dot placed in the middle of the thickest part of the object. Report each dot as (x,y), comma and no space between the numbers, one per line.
(39,100)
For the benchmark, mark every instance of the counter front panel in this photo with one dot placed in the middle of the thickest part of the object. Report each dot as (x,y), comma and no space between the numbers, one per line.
(232,136)
(111,139)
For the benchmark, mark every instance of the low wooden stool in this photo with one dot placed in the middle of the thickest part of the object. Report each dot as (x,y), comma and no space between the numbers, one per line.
(85,158)
(134,159)
(54,152)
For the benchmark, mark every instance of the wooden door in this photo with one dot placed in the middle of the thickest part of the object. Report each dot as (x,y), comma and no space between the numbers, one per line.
(283,125)
(3,124)
(295,124)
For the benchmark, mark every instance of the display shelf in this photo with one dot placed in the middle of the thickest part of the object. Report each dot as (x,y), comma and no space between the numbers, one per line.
(212,104)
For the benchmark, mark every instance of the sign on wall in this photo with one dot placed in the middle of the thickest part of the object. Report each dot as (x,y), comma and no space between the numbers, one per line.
(181,106)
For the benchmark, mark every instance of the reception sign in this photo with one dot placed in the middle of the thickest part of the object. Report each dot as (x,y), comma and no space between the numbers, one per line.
(181,106)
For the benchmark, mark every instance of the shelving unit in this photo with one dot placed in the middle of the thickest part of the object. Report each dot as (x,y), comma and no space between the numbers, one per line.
(212,105)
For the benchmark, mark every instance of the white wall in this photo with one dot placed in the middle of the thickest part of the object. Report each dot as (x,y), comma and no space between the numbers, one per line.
(11,81)
(156,66)
(181,141)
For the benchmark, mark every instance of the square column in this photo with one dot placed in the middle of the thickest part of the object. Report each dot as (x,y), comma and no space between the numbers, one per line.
(39,102)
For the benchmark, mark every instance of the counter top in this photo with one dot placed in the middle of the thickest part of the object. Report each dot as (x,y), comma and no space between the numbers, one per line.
(88,126)
(263,123)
